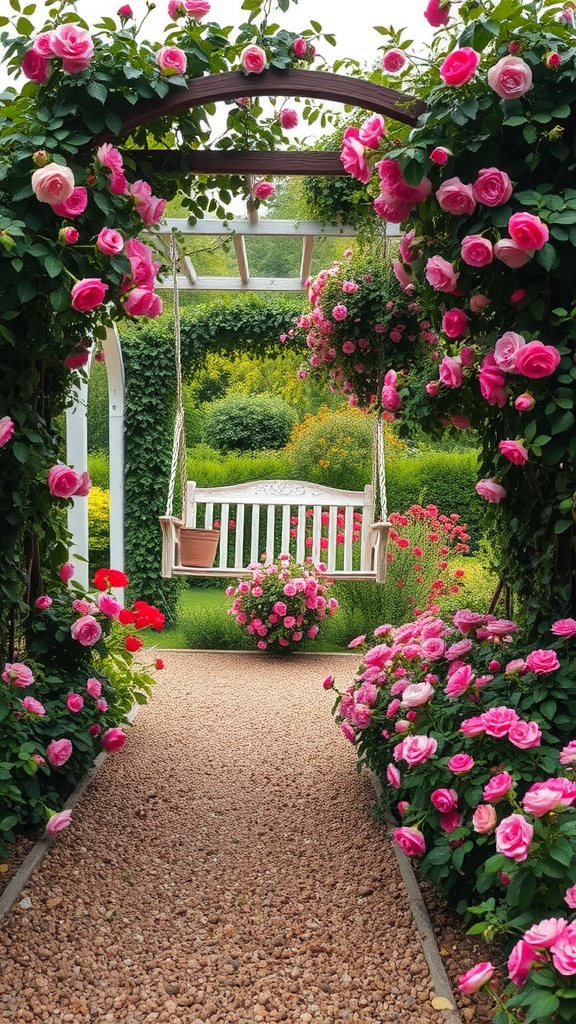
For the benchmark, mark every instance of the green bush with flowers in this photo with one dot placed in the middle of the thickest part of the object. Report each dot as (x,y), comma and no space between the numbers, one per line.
(66,698)
(484,186)
(283,604)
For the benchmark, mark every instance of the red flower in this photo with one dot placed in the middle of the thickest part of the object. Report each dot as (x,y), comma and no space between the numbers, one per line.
(126,617)
(133,644)
(158,663)
(105,578)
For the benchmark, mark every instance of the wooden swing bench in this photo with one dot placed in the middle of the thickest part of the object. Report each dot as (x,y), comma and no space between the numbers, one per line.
(277,516)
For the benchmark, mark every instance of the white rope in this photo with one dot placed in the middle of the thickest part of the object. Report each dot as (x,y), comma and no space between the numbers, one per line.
(179,440)
(379,470)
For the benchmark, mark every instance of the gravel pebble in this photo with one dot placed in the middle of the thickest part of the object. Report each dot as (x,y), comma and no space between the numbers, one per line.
(222,868)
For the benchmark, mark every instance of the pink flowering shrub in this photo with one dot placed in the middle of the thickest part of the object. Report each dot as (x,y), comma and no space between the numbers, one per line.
(362,323)
(283,604)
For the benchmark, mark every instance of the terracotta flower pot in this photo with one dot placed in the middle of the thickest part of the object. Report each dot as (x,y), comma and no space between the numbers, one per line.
(197,548)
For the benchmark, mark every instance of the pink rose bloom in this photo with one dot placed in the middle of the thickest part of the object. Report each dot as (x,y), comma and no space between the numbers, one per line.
(33,706)
(476,977)
(492,187)
(476,251)
(263,190)
(514,452)
(196,8)
(357,641)
(491,490)
(416,694)
(359,716)
(6,430)
(524,402)
(514,836)
(525,735)
(66,571)
(392,210)
(511,254)
(35,67)
(289,589)
(102,705)
(88,293)
(510,77)
(75,703)
(564,951)
(459,681)
(545,933)
(58,752)
(450,821)
(410,841)
(497,788)
(520,961)
(149,207)
(352,156)
(43,602)
(437,13)
(564,627)
(340,312)
(484,819)
(171,60)
(43,44)
(492,381)
(74,45)
(110,242)
(506,349)
(404,278)
(441,275)
(542,662)
(58,822)
(113,739)
(348,732)
(62,481)
(52,183)
(73,206)
(279,608)
(110,157)
(497,721)
(93,687)
(455,323)
(459,649)
(390,398)
(472,726)
(253,59)
(444,800)
(371,131)
(537,360)
(143,302)
(367,693)
(460,763)
(109,605)
(465,620)
(455,197)
(418,749)
(288,118)
(570,897)
(299,46)
(459,66)
(433,647)
(393,61)
(393,776)
(568,753)
(528,231)
(86,630)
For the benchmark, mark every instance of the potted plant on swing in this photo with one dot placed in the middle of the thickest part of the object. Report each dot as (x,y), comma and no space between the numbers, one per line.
(197,546)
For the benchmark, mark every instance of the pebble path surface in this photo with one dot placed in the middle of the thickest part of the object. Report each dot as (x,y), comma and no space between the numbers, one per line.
(222,868)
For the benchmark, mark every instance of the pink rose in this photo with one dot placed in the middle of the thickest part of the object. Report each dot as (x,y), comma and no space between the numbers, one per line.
(520,961)
(371,131)
(537,360)
(458,682)
(113,739)
(564,951)
(35,67)
(340,312)
(514,452)
(492,187)
(52,183)
(544,934)
(506,350)
(393,61)
(196,8)
(62,481)
(460,763)
(410,841)
(288,118)
(93,687)
(391,400)
(58,822)
(490,490)
(74,45)
(253,59)
(440,274)
(542,662)
(525,735)
(510,77)
(437,13)
(450,821)
(455,197)
(69,236)
(564,627)
(6,430)
(66,571)
(570,897)
(393,776)
(476,977)
(102,705)
(43,44)
(497,788)
(407,253)
(472,726)
(94,729)
(524,402)
(418,749)
(171,60)
(43,602)
(149,207)
(88,293)
(33,706)
(86,630)
(75,703)
(455,323)
(484,819)
(348,732)
(110,157)
(528,231)
(299,47)
(405,279)
(393,210)
(110,242)
(352,156)
(58,752)
(75,204)
(263,190)
(444,800)
(511,254)
(476,251)
(17,674)
(432,388)
(459,66)
(497,721)
(84,485)
(514,836)
(125,11)
(478,303)
(466,620)
(440,155)
(417,694)
(143,302)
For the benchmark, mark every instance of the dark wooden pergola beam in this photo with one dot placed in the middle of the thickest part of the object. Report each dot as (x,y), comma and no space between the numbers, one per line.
(215,161)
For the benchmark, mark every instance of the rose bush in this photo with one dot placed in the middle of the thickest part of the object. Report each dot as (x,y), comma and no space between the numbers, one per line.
(283,603)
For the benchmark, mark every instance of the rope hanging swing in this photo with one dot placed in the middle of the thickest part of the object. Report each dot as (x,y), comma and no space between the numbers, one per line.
(346,530)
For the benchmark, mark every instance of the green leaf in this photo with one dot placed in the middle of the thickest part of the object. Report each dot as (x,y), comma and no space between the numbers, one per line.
(542,1004)
(97,91)
(546,256)
(8,823)
(53,266)
(565,422)
(562,850)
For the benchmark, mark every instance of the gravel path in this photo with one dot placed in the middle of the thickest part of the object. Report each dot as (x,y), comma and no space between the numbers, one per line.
(221,868)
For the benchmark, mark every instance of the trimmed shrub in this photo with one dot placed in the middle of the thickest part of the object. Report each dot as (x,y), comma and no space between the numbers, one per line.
(445,479)
(209,469)
(248,423)
(333,447)
(99,527)
(99,469)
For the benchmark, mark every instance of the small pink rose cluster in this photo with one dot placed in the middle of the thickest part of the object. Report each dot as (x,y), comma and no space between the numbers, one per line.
(397,198)
(196,9)
(282,603)
(69,43)
(65,482)
(355,143)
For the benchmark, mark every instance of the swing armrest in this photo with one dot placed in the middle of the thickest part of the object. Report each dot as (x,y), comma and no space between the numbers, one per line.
(379,534)
(170,526)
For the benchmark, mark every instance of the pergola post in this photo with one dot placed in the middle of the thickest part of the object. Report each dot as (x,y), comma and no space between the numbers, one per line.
(77,457)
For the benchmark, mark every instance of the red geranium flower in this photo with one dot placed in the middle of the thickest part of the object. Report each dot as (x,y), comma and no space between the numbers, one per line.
(104,578)
(133,644)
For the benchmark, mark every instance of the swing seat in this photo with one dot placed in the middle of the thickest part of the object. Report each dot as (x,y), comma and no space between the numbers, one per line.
(335,527)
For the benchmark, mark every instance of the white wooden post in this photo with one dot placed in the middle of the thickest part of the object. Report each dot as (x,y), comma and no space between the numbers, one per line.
(116,391)
(77,457)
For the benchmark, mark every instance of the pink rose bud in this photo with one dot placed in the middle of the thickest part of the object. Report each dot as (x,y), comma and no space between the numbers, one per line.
(43,602)
(58,822)
(95,729)
(553,60)
(125,11)
(437,12)
(68,236)
(518,296)
(524,402)
(40,158)
(66,571)
(440,155)
(289,118)
(263,190)
(299,47)
(514,46)
(38,759)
